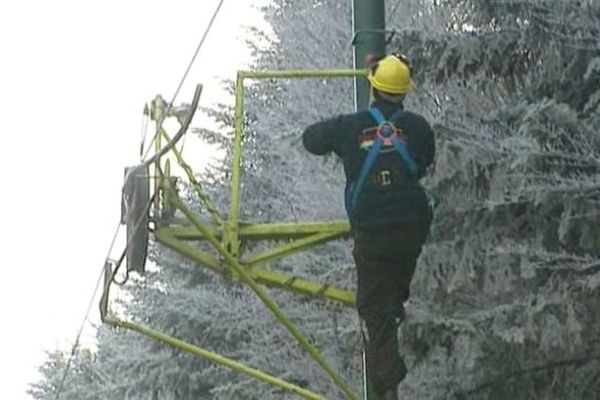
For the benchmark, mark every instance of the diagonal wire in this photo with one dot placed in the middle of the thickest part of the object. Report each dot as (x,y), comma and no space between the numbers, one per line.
(85,318)
(187,70)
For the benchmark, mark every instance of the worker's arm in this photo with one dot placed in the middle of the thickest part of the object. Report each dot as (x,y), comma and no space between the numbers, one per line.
(323,137)
(422,146)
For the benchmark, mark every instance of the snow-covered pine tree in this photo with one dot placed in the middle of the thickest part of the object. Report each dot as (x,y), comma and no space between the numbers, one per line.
(503,300)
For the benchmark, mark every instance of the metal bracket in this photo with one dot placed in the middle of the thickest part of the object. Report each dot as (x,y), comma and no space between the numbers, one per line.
(388,40)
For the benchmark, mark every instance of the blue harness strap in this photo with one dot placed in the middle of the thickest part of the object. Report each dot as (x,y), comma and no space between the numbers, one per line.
(354,189)
(364,173)
(398,143)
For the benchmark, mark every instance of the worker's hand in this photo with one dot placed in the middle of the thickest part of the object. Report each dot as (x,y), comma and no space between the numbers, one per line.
(371,60)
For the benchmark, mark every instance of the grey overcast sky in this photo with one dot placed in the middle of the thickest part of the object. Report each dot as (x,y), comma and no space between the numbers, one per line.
(74,78)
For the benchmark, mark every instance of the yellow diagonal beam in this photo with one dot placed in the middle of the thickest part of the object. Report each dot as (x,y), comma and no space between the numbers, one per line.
(293,247)
(197,186)
(164,236)
(271,305)
(303,286)
(214,357)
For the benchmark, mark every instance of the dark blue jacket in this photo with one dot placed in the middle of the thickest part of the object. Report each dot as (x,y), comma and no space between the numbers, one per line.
(391,196)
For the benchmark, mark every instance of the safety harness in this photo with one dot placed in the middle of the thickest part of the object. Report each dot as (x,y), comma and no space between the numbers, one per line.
(386,135)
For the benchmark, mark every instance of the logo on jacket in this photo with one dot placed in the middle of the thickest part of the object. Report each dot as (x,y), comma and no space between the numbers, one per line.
(384,177)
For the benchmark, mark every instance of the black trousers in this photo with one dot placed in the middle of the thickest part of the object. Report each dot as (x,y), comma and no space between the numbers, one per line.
(385,263)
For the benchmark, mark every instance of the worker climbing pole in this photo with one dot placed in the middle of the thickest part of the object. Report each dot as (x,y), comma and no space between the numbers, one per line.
(368,25)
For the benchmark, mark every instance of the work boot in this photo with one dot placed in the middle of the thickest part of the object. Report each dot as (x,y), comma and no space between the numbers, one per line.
(389,395)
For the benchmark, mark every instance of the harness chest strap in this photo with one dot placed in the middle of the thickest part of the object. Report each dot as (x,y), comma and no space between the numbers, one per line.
(396,141)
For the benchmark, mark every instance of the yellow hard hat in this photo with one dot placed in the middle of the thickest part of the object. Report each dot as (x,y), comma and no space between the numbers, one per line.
(391,75)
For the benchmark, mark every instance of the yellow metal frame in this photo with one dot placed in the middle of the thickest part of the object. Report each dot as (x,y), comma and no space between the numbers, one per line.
(214,357)
(227,236)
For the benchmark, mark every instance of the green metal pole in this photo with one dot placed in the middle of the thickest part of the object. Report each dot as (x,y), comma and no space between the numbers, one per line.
(368,26)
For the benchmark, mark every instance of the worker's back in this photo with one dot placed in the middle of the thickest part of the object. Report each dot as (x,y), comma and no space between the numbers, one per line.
(391,195)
